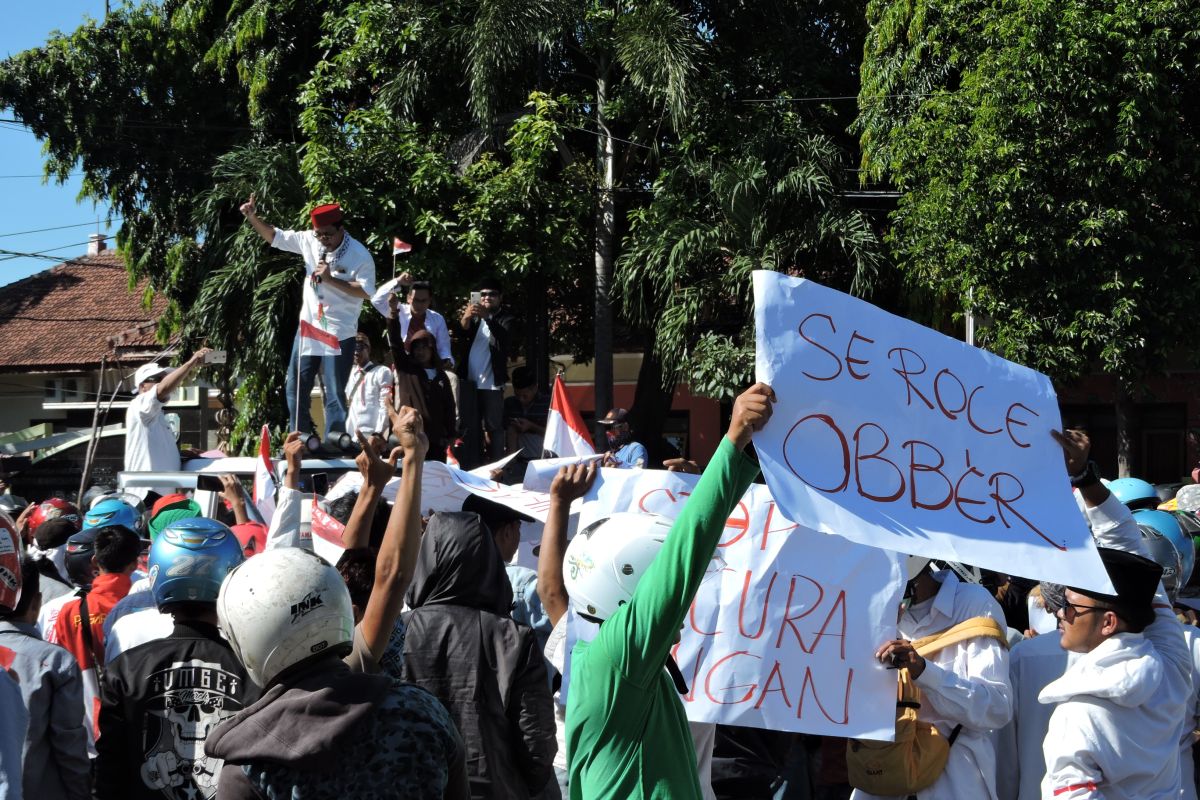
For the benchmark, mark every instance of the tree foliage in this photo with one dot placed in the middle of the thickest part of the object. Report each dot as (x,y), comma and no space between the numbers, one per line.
(1047,156)
(533,140)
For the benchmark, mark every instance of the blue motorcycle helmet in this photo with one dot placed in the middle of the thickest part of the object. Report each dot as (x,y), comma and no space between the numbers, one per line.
(1167,525)
(189,559)
(113,512)
(1135,493)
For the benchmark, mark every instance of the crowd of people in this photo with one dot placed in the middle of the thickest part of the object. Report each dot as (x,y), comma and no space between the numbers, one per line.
(150,651)
(454,374)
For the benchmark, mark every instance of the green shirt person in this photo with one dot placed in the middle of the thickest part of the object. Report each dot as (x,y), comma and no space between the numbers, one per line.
(627,736)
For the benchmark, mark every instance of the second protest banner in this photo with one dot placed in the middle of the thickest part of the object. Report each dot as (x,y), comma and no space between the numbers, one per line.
(896,436)
(783,631)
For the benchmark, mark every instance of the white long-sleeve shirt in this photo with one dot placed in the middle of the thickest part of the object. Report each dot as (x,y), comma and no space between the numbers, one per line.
(323,304)
(1191,720)
(435,323)
(1021,765)
(1121,708)
(966,683)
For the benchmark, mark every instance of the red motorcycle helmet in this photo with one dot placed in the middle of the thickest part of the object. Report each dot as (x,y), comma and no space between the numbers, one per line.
(53,508)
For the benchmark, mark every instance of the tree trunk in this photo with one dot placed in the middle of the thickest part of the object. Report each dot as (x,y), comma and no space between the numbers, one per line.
(652,402)
(1126,433)
(604,244)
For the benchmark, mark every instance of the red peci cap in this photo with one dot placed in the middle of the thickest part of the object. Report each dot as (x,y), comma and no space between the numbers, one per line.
(330,214)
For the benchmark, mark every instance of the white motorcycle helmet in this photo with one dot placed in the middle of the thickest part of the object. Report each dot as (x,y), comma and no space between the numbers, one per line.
(605,561)
(914,566)
(282,607)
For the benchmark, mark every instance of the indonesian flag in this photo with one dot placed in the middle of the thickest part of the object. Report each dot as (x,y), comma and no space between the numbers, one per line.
(400,246)
(264,478)
(315,341)
(565,431)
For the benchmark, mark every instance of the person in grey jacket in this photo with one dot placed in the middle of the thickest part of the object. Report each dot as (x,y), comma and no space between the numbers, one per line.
(487,670)
(55,753)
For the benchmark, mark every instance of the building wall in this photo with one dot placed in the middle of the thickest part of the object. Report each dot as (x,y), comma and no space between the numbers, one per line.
(21,399)
(1165,413)
(701,417)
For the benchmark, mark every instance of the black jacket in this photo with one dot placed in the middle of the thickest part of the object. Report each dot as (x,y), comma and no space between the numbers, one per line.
(503,326)
(487,670)
(158,703)
(432,397)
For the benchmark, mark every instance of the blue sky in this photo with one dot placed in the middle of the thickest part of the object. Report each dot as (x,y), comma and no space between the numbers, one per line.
(26,203)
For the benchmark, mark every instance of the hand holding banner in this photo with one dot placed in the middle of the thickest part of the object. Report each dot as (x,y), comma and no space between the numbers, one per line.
(893,435)
(783,632)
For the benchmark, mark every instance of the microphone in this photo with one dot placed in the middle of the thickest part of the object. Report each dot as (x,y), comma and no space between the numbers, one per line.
(324,255)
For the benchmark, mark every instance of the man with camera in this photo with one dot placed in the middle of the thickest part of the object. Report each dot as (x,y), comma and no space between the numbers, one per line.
(149,441)
(489,333)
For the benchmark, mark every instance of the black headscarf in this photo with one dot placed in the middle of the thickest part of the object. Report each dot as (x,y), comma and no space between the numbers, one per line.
(459,564)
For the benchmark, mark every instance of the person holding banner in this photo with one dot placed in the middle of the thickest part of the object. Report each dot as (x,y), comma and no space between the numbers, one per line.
(1121,704)
(627,735)
(340,275)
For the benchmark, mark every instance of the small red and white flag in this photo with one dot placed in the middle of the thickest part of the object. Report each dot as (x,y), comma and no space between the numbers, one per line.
(326,534)
(324,526)
(315,341)
(264,478)
(399,246)
(566,434)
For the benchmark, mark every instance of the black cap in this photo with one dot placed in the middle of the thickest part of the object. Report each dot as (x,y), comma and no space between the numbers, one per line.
(615,417)
(1136,580)
(493,514)
(54,533)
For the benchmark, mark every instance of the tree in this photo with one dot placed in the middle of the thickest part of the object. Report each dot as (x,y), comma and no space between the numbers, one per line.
(771,201)
(516,138)
(1047,156)
(630,66)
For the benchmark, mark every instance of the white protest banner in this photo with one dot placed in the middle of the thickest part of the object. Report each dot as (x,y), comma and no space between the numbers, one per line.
(782,634)
(540,472)
(895,436)
(534,504)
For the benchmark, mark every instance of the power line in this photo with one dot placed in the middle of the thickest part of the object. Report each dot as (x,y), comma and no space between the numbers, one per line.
(107,221)
(11,254)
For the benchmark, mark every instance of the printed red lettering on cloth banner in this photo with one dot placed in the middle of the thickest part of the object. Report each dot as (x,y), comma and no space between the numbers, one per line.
(896,436)
(783,632)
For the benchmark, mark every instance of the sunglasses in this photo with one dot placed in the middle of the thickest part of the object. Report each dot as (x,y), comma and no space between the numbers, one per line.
(361,346)
(488,293)
(1071,611)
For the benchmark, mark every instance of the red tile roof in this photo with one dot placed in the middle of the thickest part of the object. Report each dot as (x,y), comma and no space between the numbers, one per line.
(63,318)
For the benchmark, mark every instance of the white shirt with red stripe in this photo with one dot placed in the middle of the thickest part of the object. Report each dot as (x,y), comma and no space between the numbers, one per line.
(324,305)
(965,684)
(1121,708)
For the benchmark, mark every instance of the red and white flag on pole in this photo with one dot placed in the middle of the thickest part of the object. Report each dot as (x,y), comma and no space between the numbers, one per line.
(399,246)
(315,341)
(264,478)
(566,434)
